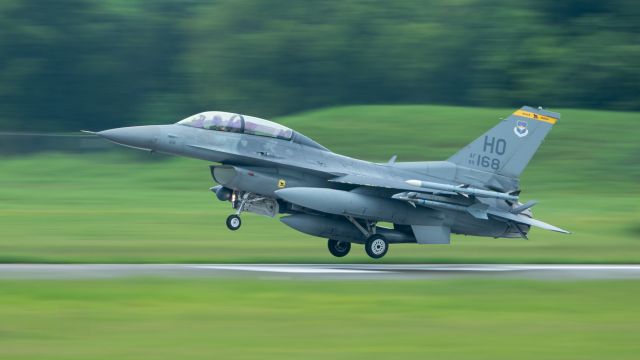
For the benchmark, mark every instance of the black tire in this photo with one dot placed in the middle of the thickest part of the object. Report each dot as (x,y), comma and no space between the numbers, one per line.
(376,246)
(234,222)
(338,248)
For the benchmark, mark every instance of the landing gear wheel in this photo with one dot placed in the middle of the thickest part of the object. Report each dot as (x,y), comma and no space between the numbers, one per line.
(376,246)
(338,248)
(234,222)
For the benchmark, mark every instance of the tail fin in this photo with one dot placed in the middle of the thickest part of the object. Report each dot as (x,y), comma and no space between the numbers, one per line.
(507,148)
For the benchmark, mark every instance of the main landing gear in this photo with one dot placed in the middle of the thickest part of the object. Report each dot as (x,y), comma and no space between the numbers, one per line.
(338,248)
(375,245)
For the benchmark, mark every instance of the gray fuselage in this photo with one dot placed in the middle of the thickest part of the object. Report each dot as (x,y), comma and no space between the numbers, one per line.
(302,162)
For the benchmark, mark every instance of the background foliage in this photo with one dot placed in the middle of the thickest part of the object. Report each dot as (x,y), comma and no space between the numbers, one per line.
(96,64)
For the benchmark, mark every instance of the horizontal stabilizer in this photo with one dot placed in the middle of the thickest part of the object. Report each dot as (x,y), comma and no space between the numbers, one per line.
(480,211)
(521,219)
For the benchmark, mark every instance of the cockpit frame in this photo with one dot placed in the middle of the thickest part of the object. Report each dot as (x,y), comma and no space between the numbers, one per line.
(236,123)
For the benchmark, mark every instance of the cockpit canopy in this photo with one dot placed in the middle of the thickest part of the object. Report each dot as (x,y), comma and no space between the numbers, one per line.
(229,122)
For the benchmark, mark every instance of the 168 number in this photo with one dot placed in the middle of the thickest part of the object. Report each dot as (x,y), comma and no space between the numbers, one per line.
(486,161)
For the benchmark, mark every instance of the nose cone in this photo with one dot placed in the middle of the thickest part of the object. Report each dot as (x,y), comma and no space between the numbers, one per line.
(141,137)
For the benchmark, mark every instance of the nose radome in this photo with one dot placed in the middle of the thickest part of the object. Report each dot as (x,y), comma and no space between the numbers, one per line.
(135,136)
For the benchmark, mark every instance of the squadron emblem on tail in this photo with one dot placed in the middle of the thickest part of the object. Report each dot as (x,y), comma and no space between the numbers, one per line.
(521,128)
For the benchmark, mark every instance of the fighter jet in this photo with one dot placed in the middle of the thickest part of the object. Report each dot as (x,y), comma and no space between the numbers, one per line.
(268,169)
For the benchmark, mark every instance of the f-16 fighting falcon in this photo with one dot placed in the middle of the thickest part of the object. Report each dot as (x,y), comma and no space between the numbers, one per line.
(268,169)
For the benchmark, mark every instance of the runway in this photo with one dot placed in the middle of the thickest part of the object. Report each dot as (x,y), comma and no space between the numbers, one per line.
(319,271)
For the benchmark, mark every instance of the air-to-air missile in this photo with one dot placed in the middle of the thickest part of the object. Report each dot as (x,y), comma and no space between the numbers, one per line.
(462,190)
(477,210)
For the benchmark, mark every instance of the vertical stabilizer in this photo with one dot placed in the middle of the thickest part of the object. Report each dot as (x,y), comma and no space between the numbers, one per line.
(508,147)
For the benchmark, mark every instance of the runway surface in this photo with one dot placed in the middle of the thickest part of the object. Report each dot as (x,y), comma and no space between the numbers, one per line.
(318,271)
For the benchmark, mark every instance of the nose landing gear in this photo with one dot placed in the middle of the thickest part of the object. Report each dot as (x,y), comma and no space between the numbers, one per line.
(244,201)
(234,222)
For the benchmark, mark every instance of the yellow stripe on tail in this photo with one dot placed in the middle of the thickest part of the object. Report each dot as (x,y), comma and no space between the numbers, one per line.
(534,116)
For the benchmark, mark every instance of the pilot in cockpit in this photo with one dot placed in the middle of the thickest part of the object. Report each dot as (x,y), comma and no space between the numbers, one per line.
(235,124)
(198,121)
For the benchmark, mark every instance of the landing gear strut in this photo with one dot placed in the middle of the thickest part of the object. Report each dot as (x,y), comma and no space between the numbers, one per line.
(244,201)
(233,221)
(376,245)
(338,248)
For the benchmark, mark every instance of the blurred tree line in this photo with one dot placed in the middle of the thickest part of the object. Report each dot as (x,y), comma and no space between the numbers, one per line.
(71,64)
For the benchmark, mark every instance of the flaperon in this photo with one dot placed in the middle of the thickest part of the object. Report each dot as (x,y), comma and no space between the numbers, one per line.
(268,169)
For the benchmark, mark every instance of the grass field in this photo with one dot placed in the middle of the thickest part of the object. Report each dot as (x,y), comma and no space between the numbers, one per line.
(251,319)
(128,206)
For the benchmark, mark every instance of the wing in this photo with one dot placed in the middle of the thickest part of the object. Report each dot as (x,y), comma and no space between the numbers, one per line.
(410,193)
(419,186)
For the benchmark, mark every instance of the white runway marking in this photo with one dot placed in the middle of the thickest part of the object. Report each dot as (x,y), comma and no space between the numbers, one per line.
(286,269)
(528,267)
(321,271)
(468,268)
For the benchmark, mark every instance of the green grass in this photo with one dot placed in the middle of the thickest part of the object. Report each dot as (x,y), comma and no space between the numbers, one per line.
(129,206)
(265,319)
